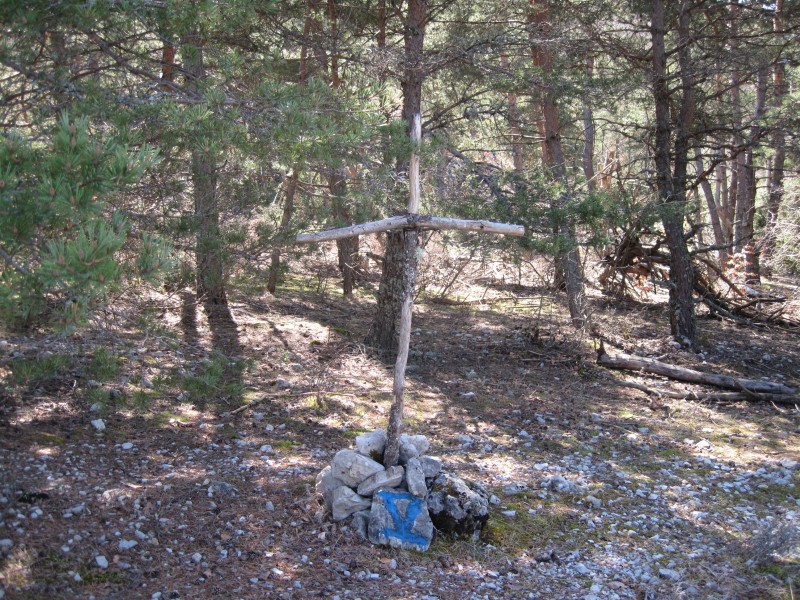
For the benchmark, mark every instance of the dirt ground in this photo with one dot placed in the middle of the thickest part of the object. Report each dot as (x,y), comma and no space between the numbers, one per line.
(176,498)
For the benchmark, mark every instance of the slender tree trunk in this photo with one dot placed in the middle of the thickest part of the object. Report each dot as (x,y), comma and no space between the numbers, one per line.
(208,251)
(348,247)
(283,228)
(751,250)
(713,212)
(514,125)
(779,90)
(569,259)
(588,129)
(167,67)
(384,330)
(681,273)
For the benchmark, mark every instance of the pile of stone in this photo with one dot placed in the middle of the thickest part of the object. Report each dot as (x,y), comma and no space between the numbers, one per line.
(404,505)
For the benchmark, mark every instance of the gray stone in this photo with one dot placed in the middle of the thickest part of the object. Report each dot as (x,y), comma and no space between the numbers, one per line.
(326,485)
(563,486)
(458,507)
(517,487)
(400,520)
(346,502)
(669,574)
(430,466)
(360,523)
(390,478)
(372,444)
(415,478)
(353,468)
(412,446)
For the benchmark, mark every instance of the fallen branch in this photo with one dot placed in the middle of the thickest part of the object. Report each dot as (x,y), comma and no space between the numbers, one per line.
(635,363)
(786,399)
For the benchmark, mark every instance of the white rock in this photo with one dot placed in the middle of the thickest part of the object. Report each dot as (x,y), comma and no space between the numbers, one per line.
(346,502)
(327,484)
(126,446)
(595,502)
(510,513)
(390,478)
(430,466)
(5,544)
(372,443)
(127,544)
(99,424)
(197,557)
(412,446)
(353,468)
(101,561)
(415,478)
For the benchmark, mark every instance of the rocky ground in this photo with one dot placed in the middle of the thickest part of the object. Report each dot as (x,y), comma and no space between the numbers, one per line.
(124,475)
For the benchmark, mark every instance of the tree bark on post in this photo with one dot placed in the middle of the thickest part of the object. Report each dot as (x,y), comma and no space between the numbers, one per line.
(681,273)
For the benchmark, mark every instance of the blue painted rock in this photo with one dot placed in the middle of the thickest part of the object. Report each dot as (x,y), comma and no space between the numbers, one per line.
(400,520)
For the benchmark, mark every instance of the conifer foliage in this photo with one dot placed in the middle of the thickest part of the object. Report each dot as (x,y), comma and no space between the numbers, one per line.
(60,239)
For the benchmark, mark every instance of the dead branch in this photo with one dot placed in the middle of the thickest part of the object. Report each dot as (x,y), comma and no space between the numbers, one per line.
(648,365)
(411,221)
(786,399)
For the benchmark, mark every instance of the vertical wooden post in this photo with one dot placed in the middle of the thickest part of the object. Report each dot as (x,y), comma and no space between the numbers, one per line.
(392,454)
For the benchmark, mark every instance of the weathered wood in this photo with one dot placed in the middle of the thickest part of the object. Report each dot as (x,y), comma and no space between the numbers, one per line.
(648,365)
(787,399)
(392,454)
(413,167)
(411,221)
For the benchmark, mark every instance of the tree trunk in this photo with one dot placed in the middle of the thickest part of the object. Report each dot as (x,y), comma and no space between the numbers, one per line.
(383,332)
(167,67)
(751,249)
(588,129)
(347,247)
(713,212)
(286,217)
(779,90)
(568,260)
(209,251)
(409,278)
(514,124)
(681,274)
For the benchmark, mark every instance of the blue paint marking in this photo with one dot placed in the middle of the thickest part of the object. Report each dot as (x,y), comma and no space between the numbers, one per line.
(403,527)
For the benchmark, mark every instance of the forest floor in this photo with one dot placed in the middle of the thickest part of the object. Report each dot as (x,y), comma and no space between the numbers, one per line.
(174,498)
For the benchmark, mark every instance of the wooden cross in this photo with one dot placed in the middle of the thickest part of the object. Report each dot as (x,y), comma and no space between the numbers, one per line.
(412,222)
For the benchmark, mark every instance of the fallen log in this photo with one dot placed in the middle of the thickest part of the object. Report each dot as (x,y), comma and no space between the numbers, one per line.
(648,365)
(786,399)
